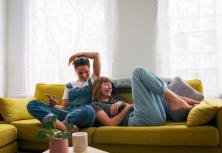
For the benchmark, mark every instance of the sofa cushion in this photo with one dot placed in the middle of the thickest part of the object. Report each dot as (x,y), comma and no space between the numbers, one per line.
(52,89)
(201,114)
(158,135)
(195,84)
(13,109)
(9,148)
(126,96)
(8,134)
(123,85)
(28,129)
(182,88)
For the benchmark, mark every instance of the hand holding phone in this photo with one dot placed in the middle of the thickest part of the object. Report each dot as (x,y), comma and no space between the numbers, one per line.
(52,100)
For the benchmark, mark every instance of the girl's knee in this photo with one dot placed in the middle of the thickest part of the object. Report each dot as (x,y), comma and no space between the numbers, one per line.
(31,104)
(90,114)
(83,117)
(139,72)
(89,110)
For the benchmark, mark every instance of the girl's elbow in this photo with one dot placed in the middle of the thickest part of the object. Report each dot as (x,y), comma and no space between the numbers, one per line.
(97,56)
(96,53)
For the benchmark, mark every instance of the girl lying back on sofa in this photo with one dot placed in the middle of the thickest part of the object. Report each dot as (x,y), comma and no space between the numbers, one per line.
(153,102)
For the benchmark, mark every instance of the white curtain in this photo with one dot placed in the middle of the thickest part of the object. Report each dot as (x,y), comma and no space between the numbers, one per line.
(60,28)
(2,46)
(190,41)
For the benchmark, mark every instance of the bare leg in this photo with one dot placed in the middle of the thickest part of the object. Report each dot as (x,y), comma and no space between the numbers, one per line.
(177,103)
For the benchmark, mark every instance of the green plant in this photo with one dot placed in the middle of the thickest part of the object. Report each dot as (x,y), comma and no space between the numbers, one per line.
(52,132)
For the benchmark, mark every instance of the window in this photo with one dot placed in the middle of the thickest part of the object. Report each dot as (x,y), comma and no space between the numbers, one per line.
(189,38)
(58,29)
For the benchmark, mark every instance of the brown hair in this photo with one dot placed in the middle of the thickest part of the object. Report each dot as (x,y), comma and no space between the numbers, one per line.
(96,94)
(81,61)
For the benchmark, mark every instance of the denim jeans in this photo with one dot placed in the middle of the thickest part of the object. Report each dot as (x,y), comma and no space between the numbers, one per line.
(147,92)
(150,108)
(82,116)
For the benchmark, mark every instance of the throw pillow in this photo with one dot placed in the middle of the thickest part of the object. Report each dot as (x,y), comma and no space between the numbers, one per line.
(13,109)
(122,85)
(182,88)
(201,114)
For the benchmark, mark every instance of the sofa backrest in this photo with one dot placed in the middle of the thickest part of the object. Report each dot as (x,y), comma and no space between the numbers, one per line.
(121,87)
(52,89)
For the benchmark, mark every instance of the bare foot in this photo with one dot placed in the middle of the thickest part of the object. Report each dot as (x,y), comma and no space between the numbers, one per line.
(75,129)
(190,101)
(179,103)
(60,125)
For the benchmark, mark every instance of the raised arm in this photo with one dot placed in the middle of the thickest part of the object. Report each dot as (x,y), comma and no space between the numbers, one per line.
(103,118)
(92,55)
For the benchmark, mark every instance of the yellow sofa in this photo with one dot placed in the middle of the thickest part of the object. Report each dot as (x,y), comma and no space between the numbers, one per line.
(174,137)
(8,138)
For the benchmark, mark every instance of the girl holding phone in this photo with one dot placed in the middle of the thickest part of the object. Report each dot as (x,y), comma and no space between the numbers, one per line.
(76,105)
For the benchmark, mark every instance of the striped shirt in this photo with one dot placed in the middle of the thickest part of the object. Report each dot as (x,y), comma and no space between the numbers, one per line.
(106,106)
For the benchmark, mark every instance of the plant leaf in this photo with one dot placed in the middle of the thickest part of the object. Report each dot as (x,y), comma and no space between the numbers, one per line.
(69,127)
(41,134)
(49,125)
(67,134)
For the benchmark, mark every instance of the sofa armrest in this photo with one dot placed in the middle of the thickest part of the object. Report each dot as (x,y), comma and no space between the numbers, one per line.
(219,122)
(218,117)
(14,109)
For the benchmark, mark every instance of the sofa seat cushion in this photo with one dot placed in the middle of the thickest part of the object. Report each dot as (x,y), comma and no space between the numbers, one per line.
(158,135)
(28,129)
(8,134)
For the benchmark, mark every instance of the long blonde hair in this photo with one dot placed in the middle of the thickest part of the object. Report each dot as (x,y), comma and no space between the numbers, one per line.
(96,93)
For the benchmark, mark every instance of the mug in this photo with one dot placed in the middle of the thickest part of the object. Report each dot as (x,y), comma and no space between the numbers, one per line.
(80,142)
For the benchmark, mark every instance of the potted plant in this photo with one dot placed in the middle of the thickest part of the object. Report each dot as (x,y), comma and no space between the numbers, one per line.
(58,140)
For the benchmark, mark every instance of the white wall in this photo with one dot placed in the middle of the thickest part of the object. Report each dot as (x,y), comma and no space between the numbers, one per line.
(3,15)
(134,35)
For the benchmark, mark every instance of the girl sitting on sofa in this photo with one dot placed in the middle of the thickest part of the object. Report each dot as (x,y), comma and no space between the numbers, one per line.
(151,97)
(76,106)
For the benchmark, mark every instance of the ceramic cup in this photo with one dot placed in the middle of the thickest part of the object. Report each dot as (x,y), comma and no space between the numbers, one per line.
(80,142)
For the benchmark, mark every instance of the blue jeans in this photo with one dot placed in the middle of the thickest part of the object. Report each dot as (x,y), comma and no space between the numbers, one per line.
(82,116)
(147,92)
